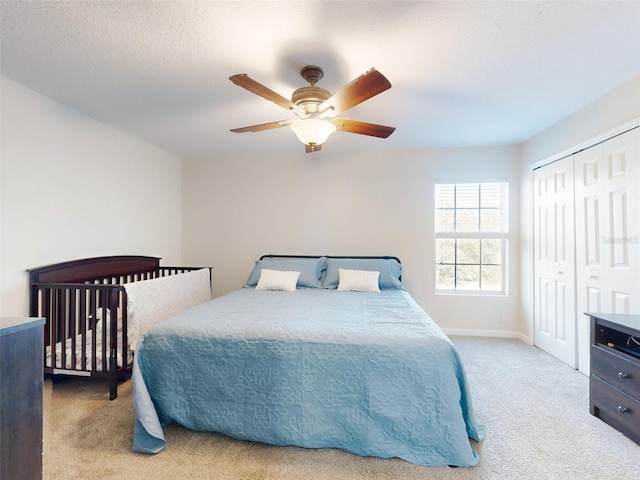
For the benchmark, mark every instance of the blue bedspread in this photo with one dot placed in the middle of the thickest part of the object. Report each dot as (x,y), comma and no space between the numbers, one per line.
(368,373)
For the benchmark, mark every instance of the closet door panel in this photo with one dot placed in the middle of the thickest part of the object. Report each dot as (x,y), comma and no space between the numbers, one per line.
(594,299)
(607,231)
(619,222)
(620,158)
(554,268)
(591,252)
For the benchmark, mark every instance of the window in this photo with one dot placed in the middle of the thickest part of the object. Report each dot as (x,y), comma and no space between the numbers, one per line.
(471,237)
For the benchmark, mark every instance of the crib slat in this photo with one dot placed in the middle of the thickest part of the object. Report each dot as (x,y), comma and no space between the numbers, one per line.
(60,330)
(93,309)
(70,305)
(103,336)
(82,310)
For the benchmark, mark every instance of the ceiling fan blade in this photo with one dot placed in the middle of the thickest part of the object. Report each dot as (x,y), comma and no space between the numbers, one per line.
(312,148)
(362,88)
(363,128)
(263,126)
(243,80)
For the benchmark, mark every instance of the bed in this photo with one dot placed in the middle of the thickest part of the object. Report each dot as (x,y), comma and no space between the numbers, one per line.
(337,356)
(84,303)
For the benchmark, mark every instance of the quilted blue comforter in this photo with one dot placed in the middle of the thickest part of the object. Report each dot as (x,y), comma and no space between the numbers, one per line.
(368,373)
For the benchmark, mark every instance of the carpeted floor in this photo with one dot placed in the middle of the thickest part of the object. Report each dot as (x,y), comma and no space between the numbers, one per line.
(535,410)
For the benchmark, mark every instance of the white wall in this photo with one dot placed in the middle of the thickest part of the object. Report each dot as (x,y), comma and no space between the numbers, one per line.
(374,203)
(72,187)
(64,176)
(612,112)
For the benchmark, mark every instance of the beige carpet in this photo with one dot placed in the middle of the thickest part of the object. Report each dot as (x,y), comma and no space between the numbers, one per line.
(535,410)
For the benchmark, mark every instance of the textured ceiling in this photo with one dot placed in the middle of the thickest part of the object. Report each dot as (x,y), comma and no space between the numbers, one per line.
(463,73)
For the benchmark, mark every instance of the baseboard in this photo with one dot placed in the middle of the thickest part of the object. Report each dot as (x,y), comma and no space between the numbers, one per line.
(462,332)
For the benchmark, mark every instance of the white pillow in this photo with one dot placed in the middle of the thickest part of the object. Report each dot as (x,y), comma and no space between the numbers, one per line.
(358,280)
(277,280)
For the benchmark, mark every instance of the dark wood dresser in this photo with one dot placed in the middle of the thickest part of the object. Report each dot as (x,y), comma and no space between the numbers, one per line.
(21,383)
(615,371)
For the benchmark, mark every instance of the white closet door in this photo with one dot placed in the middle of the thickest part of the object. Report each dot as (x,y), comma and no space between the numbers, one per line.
(607,232)
(554,265)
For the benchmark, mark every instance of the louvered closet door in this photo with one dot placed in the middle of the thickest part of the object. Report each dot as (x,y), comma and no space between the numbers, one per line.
(607,232)
(554,265)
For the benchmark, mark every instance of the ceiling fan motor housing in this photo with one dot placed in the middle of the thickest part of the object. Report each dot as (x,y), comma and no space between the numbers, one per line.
(309,98)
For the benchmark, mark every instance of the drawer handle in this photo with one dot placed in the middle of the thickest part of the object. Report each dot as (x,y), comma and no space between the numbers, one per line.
(623,375)
(622,409)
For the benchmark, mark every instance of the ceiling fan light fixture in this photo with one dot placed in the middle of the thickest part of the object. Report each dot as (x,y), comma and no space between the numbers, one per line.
(313,131)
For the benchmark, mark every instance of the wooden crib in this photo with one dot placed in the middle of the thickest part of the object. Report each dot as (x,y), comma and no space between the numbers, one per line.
(85,308)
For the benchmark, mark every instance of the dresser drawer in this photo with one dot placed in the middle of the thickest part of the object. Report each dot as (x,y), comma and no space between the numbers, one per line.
(616,370)
(616,408)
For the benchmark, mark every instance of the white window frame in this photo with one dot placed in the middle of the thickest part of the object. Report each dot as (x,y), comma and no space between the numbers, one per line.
(502,235)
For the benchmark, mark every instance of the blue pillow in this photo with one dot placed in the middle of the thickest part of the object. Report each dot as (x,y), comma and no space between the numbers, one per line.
(310,270)
(390,271)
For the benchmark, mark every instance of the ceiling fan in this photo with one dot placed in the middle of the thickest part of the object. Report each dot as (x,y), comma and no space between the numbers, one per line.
(316,107)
